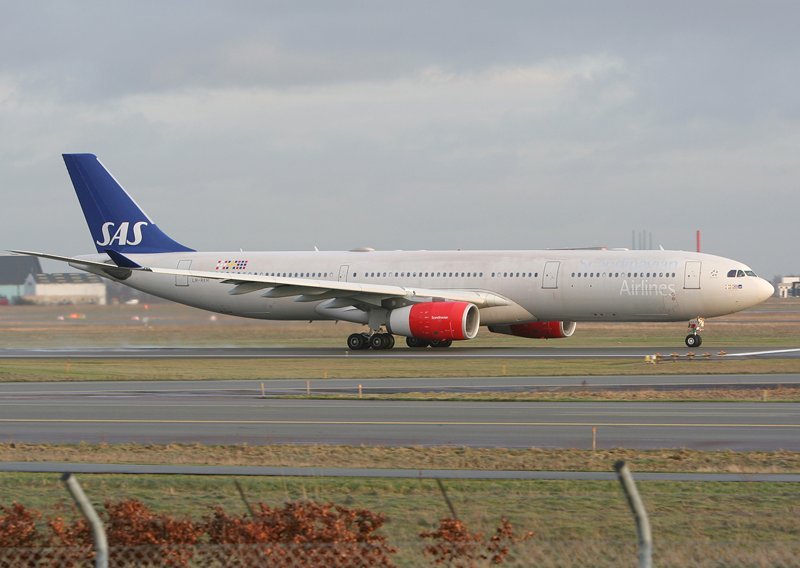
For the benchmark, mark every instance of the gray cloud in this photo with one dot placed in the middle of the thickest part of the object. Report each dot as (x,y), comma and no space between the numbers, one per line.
(409,125)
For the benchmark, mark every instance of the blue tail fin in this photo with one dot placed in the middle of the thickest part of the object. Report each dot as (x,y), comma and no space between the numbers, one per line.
(114,219)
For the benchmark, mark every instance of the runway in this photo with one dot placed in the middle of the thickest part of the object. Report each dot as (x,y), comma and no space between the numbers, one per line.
(454,352)
(234,412)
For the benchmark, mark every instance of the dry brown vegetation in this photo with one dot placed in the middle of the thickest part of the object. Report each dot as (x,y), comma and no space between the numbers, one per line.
(312,369)
(776,394)
(417,457)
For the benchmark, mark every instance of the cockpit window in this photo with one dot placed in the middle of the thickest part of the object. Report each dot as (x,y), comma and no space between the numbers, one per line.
(740,273)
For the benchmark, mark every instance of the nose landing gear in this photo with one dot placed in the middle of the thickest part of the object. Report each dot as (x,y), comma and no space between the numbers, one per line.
(695,327)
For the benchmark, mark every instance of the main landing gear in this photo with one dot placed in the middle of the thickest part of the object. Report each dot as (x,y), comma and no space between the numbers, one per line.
(360,341)
(379,341)
(695,327)
(416,343)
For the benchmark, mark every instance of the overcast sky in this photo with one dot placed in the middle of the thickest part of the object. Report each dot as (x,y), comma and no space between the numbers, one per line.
(437,125)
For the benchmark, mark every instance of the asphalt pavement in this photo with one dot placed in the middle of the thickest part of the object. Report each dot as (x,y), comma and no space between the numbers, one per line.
(64,415)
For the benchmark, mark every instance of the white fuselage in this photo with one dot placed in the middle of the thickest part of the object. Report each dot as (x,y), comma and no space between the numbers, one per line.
(540,285)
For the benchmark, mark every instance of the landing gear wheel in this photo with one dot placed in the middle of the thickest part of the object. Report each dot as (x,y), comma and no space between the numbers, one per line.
(390,340)
(442,343)
(357,342)
(379,341)
(414,342)
(693,340)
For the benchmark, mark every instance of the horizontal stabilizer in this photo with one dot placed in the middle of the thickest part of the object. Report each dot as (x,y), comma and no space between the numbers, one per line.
(115,271)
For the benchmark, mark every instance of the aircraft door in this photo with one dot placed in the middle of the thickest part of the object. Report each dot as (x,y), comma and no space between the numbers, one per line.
(343,270)
(691,279)
(550,276)
(181,280)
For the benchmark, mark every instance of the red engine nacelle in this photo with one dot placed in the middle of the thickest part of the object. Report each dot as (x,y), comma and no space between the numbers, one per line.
(433,321)
(537,329)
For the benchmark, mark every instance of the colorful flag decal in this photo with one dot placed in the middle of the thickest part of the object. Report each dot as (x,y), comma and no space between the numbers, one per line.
(236,265)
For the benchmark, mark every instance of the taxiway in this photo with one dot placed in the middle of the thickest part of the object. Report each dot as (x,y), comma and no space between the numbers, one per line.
(235,412)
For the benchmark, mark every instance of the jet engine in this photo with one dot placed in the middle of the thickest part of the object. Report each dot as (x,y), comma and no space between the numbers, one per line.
(537,329)
(436,321)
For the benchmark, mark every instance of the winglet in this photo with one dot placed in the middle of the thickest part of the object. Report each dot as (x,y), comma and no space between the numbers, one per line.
(121,260)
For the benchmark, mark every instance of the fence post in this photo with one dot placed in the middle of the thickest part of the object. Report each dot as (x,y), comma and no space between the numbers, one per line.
(98,532)
(639,513)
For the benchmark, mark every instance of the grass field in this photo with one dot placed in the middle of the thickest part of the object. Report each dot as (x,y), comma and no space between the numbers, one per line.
(255,369)
(415,457)
(774,323)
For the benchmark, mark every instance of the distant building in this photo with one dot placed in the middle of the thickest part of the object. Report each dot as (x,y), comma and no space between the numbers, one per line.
(13,272)
(65,288)
(789,287)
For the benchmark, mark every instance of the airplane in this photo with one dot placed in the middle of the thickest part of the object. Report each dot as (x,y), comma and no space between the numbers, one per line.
(432,298)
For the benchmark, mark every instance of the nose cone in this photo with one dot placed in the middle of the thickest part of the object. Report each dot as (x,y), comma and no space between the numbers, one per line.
(765,290)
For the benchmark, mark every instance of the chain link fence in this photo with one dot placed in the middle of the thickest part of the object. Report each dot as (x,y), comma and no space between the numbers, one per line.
(553,554)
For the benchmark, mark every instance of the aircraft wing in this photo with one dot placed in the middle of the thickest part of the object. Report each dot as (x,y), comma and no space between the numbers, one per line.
(302,289)
(310,290)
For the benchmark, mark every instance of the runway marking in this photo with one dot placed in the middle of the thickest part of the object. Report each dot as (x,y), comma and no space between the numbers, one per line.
(380,423)
(774,351)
